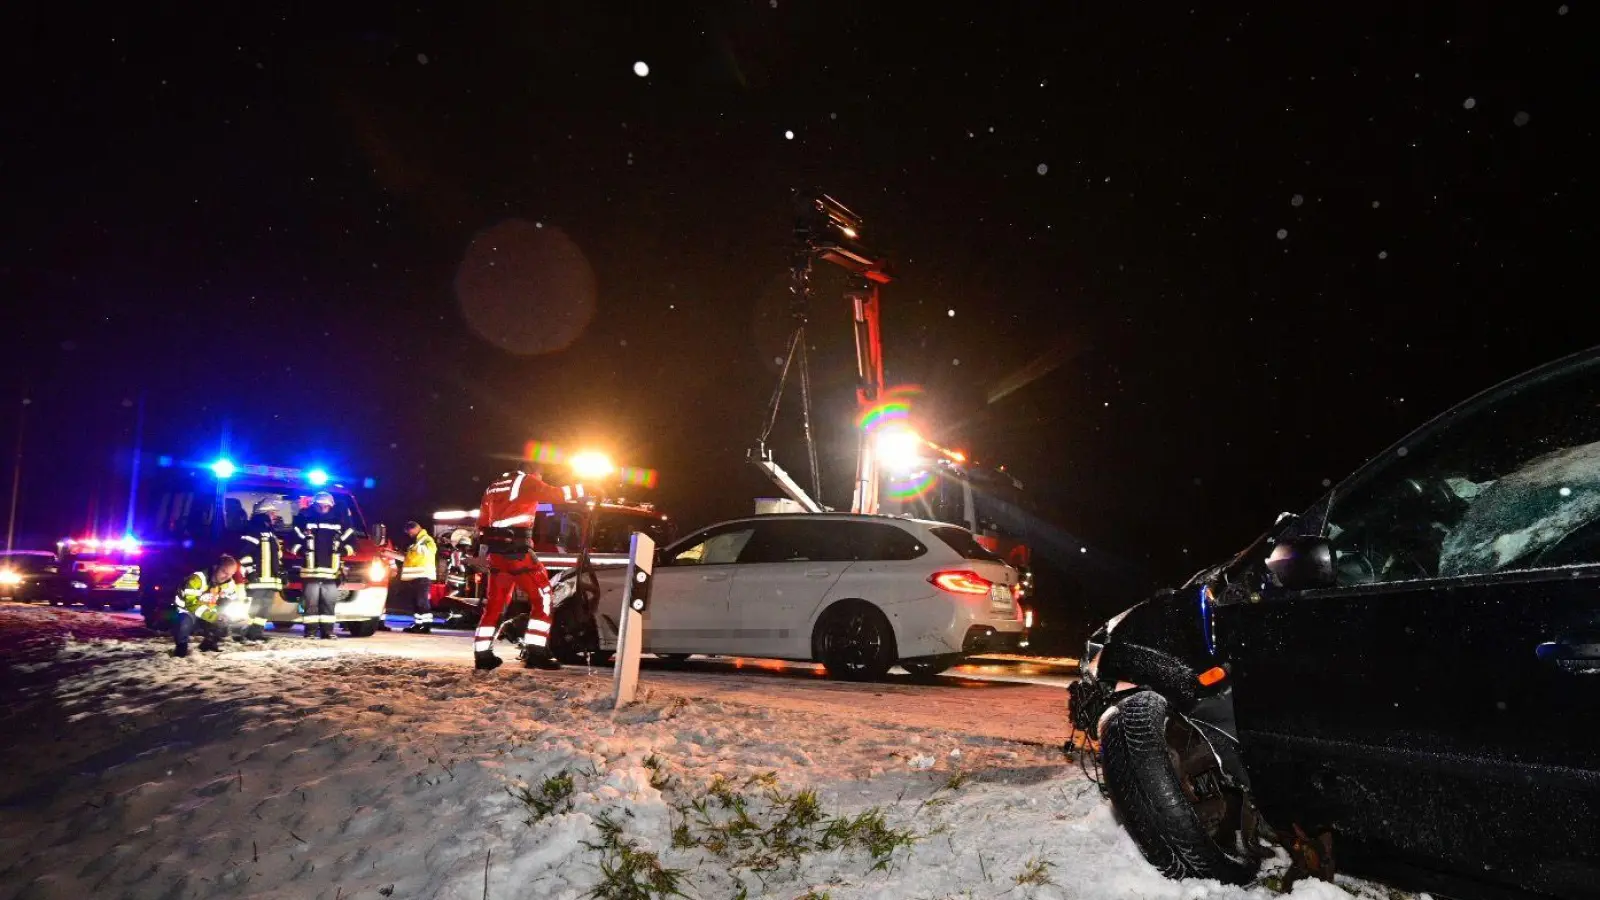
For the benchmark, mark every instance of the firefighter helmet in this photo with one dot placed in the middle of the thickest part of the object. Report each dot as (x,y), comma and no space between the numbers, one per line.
(266,506)
(322,498)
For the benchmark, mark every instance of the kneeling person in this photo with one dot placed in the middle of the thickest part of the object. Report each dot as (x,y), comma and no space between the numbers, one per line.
(201,605)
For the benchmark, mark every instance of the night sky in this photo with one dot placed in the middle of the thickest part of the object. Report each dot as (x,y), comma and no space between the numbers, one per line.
(1173,267)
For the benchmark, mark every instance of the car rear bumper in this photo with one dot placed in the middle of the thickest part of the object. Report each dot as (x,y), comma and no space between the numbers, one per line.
(989,639)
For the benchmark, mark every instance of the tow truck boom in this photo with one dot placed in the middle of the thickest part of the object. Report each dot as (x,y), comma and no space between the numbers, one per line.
(826,229)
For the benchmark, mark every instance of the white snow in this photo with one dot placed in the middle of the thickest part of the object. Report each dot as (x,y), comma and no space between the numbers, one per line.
(309,771)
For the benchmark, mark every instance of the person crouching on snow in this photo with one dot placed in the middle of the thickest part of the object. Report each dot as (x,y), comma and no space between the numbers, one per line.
(203,604)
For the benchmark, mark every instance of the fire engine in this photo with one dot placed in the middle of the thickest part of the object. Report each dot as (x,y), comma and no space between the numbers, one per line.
(196,512)
(560,530)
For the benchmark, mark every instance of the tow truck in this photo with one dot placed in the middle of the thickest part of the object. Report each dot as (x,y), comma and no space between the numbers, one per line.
(198,511)
(955,490)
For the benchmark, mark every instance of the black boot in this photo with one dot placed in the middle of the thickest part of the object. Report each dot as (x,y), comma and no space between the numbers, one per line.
(180,651)
(210,645)
(539,658)
(327,631)
(485,660)
(255,633)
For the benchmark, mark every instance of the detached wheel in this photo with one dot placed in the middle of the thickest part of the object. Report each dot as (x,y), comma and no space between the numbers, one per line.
(855,643)
(1172,794)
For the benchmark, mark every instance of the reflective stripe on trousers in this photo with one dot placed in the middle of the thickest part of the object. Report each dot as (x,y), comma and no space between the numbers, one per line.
(483,639)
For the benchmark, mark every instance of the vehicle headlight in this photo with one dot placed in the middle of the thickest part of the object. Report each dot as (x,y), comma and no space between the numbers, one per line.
(377,572)
(235,610)
(80,585)
(9,577)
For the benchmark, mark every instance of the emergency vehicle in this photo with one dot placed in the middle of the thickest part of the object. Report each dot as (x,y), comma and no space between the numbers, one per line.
(558,540)
(100,572)
(195,513)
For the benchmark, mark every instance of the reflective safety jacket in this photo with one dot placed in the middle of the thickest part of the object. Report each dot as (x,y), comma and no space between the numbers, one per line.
(322,543)
(422,559)
(261,556)
(507,512)
(200,598)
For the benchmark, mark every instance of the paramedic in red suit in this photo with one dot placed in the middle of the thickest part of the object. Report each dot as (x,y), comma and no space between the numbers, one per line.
(505,527)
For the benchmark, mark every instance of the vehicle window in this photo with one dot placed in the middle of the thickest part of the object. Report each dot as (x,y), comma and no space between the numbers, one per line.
(1510,482)
(961,541)
(30,563)
(800,540)
(718,547)
(881,541)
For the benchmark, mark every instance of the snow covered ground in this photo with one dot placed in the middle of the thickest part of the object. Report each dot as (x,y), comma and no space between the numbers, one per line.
(317,771)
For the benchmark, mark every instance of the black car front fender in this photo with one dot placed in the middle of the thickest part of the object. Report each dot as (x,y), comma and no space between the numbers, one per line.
(1164,644)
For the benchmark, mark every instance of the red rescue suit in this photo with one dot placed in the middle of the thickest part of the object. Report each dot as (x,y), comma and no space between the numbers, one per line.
(505,526)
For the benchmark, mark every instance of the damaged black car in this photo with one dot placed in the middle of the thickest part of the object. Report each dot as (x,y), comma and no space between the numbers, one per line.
(1409,670)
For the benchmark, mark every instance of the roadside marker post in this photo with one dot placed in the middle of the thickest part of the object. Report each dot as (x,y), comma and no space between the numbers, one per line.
(630,633)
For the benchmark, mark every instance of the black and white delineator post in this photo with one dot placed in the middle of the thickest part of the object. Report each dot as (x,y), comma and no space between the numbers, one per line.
(630,631)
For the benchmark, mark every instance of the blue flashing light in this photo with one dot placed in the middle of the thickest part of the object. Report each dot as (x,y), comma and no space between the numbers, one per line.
(369,483)
(164,462)
(1205,619)
(223,468)
(317,477)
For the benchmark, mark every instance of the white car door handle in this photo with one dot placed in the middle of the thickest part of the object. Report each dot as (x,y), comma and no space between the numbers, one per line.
(714,576)
(818,573)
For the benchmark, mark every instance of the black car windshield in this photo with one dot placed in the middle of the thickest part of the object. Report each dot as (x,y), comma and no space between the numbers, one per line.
(961,541)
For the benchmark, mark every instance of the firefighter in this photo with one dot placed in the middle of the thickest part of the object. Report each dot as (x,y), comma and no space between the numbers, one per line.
(417,571)
(323,543)
(505,528)
(261,560)
(200,603)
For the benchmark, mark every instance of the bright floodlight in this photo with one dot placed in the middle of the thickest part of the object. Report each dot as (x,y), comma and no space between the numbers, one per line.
(899,449)
(591,464)
(317,477)
(223,468)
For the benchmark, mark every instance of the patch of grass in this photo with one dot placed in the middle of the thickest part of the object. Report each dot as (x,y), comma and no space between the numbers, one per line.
(659,779)
(868,831)
(774,829)
(813,895)
(629,873)
(553,795)
(957,778)
(1036,871)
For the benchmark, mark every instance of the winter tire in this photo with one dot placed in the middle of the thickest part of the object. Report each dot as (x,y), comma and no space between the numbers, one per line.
(854,642)
(1169,789)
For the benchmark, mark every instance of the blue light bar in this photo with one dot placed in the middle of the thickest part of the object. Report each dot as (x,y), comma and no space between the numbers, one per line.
(317,477)
(223,468)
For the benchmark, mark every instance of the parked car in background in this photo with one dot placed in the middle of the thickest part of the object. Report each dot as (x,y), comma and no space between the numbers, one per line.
(33,576)
(1413,664)
(855,593)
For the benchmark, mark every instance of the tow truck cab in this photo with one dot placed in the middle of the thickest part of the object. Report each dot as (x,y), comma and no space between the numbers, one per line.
(195,516)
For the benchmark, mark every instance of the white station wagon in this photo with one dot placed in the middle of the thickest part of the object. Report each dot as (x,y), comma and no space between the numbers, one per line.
(855,593)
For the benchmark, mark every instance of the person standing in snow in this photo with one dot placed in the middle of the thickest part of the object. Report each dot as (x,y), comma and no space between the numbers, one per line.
(261,560)
(505,528)
(418,566)
(201,604)
(323,544)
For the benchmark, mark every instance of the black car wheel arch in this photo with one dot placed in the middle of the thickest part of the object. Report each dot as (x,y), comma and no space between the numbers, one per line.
(1170,787)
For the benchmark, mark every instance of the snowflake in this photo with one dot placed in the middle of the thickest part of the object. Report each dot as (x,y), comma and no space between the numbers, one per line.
(641,68)
(422,59)
(1283,233)
(1383,254)
(1520,119)
(788,135)
(1042,169)
(1469,103)
(1296,200)
(951,313)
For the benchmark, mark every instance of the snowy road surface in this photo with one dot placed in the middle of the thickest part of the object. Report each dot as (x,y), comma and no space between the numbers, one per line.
(384,767)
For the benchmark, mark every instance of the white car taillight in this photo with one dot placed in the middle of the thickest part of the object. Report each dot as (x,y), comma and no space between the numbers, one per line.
(961,581)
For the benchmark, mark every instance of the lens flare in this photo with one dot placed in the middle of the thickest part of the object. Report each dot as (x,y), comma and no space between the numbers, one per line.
(634,476)
(912,486)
